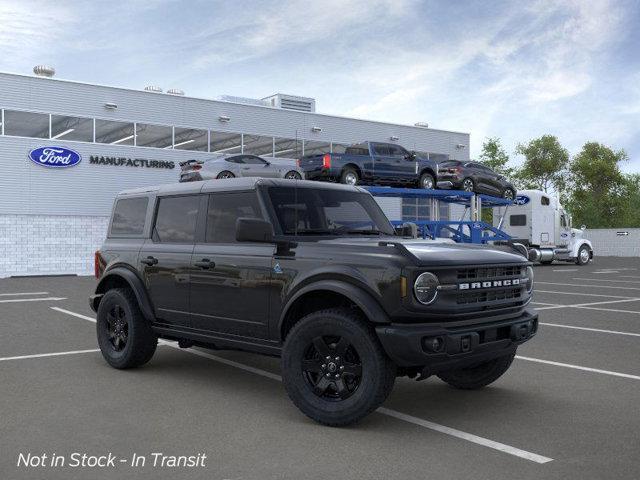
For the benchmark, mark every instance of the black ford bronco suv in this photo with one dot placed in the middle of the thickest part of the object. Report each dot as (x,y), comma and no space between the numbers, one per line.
(313,273)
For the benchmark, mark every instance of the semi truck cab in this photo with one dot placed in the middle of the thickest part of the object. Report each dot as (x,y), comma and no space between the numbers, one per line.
(538,220)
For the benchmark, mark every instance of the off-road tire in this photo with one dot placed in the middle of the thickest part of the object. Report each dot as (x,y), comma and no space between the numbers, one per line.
(478,376)
(345,175)
(424,178)
(141,341)
(377,371)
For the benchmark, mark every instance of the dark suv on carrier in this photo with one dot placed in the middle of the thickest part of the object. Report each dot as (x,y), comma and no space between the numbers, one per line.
(313,273)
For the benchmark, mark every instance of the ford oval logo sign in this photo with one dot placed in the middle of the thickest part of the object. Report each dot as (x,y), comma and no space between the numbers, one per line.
(521,200)
(55,157)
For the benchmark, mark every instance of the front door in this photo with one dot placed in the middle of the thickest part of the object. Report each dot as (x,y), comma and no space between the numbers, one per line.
(253,166)
(165,260)
(230,281)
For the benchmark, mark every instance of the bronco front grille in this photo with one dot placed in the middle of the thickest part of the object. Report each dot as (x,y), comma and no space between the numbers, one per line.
(484,273)
(471,297)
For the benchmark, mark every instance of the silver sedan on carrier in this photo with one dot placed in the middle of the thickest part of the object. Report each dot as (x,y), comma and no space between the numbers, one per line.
(239,165)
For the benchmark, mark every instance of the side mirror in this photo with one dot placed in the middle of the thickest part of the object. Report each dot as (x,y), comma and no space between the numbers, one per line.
(408,229)
(254,230)
(410,156)
(583,227)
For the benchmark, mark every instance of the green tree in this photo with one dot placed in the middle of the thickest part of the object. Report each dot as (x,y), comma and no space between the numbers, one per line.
(545,164)
(599,192)
(495,157)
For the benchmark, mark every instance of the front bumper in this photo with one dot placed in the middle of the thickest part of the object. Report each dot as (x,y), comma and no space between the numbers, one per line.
(408,344)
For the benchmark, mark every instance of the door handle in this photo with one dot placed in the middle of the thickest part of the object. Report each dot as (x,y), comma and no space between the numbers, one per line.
(246,168)
(205,264)
(149,260)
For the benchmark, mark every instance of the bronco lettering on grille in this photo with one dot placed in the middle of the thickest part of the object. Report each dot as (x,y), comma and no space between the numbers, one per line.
(489,284)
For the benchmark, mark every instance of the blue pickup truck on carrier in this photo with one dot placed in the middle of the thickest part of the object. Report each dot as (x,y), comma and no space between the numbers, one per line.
(372,163)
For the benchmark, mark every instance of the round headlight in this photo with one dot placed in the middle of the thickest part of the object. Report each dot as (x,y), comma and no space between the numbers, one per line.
(529,279)
(426,288)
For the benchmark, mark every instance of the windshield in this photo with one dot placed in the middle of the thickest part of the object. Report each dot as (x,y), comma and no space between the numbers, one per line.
(316,211)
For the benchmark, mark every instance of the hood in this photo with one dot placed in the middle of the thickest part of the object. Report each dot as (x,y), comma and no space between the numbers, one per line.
(434,252)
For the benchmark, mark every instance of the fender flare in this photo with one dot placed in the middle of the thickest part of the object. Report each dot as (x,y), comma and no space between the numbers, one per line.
(578,245)
(136,285)
(369,305)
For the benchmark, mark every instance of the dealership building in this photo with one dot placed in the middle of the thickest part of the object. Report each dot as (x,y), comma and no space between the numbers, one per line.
(52,219)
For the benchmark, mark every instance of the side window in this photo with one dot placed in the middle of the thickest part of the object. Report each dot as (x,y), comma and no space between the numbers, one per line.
(563,221)
(395,151)
(253,160)
(517,220)
(224,209)
(544,200)
(176,219)
(128,216)
(235,159)
(381,149)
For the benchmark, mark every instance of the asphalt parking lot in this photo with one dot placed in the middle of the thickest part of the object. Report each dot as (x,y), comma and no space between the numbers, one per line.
(568,408)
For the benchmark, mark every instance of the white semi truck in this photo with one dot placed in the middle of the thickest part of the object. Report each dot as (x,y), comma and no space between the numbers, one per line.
(537,220)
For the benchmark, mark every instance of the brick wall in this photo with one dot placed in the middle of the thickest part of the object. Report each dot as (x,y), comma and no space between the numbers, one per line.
(49,244)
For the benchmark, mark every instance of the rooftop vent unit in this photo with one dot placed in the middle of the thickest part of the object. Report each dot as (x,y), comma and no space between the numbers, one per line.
(292,102)
(153,88)
(175,91)
(244,100)
(44,71)
(422,124)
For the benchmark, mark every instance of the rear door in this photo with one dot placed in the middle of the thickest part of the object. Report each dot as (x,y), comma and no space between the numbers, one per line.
(230,280)
(165,259)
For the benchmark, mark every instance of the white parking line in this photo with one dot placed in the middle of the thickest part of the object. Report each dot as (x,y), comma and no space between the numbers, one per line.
(16,300)
(74,314)
(579,367)
(466,436)
(591,286)
(615,332)
(628,276)
(566,270)
(584,294)
(23,293)
(611,310)
(384,411)
(53,354)
(587,305)
(605,280)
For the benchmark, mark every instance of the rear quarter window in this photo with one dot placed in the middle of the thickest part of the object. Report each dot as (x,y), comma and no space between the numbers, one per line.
(129,216)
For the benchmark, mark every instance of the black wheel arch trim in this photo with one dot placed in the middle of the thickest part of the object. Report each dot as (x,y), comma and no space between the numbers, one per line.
(364,300)
(135,283)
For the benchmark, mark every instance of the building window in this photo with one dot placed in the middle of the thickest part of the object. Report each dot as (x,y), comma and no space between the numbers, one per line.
(312,147)
(257,145)
(72,128)
(225,142)
(26,124)
(157,136)
(191,139)
(287,148)
(114,133)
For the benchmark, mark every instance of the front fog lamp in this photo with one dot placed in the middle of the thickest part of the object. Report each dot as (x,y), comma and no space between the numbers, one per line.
(426,288)
(529,279)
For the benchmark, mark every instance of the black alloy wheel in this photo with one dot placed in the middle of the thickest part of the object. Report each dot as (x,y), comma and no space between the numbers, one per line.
(508,194)
(467,185)
(118,327)
(332,368)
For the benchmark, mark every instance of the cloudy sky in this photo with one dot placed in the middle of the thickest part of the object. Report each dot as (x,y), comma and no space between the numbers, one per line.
(515,70)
